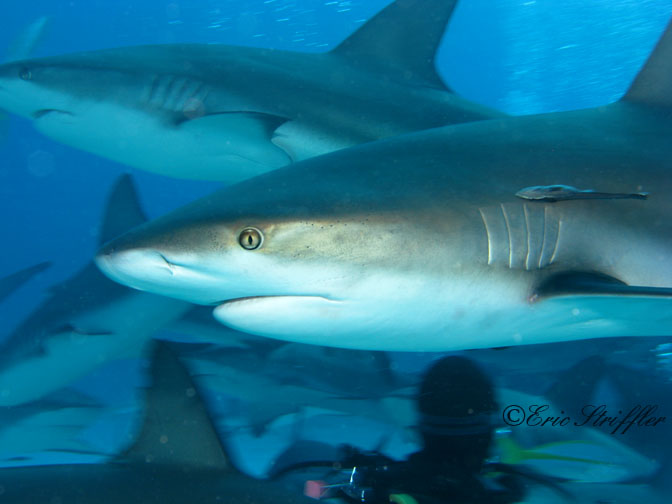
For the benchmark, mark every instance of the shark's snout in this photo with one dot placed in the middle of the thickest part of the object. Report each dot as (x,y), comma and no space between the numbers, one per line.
(155,269)
(133,267)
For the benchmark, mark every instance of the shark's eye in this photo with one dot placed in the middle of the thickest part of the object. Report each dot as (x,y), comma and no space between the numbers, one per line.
(250,238)
(25,73)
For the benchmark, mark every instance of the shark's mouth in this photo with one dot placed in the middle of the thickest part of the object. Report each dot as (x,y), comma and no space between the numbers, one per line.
(271,298)
(38,114)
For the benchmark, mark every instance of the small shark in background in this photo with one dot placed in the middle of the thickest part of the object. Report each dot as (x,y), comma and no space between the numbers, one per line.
(49,424)
(419,242)
(339,372)
(14,281)
(177,458)
(268,395)
(89,320)
(228,113)
(84,322)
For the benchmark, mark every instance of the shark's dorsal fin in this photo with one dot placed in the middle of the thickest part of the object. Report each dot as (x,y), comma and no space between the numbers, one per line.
(653,84)
(401,40)
(122,211)
(177,429)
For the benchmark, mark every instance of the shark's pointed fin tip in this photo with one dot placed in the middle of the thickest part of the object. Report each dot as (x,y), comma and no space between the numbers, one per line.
(653,83)
(177,429)
(123,211)
(402,40)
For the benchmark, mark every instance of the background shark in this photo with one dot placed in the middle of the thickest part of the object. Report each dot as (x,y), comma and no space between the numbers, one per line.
(51,424)
(89,320)
(420,242)
(84,321)
(177,457)
(264,395)
(229,113)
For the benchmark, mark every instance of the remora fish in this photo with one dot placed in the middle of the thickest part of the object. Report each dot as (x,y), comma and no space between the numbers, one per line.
(177,458)
(228,113)
(419,242)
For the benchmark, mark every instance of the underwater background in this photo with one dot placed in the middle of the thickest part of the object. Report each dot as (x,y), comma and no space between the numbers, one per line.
(518,56)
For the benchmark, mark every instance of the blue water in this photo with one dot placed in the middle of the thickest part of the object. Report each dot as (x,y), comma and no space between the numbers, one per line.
(520,56)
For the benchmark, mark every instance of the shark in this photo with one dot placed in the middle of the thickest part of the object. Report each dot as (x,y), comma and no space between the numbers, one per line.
(265,398)
(420,242)
(50,424)
(83,321)
(88,320)
(342,373)
(176,457)
(227,113)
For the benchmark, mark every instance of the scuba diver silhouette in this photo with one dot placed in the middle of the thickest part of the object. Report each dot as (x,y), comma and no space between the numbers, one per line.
(456,403)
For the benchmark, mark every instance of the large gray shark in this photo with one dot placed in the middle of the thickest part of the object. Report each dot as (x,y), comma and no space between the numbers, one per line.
(176,458)
(494,233)
(228,113)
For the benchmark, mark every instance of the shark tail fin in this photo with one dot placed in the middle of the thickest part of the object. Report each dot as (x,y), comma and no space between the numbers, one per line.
(123,211)
(653,83)
(177,428)
(401,41)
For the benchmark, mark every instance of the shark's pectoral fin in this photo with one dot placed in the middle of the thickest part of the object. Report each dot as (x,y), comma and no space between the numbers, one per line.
(244,134)
(587,283)
(278,316)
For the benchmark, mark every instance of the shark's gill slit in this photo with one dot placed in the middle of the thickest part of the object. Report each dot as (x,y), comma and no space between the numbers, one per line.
(529,237)
(151,90)
(487,232)
(557,242)
(508,230)
(543,238)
